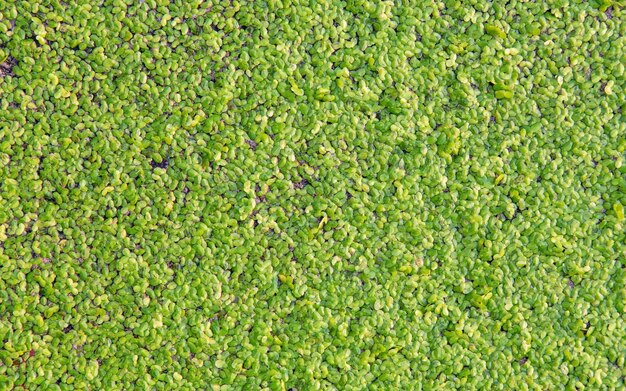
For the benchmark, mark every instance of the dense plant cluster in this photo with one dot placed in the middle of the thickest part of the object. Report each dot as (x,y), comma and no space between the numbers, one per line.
(312,195)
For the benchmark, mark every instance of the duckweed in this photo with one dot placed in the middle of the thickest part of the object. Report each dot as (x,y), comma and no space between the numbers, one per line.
(305,195)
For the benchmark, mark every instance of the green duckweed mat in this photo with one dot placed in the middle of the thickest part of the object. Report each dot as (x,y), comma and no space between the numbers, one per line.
(312,195)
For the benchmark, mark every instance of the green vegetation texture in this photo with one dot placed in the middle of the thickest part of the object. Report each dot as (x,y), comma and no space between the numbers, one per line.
(304,195)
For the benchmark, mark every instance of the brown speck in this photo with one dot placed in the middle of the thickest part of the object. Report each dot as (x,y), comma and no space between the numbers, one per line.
(570,283)
(6,68)
(523,360)
(301,184)
(45,260)
(609,13)
(251,144)
(163,164)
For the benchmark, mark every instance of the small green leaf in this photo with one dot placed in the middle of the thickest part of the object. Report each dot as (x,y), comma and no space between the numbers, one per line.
(495,31)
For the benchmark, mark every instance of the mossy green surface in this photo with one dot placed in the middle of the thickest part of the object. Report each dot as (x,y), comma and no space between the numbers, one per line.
(312,195)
